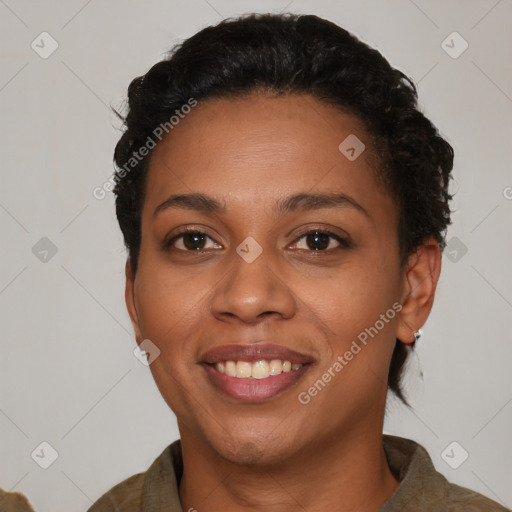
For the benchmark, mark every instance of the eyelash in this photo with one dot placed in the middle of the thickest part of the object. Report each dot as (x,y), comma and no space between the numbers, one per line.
(344,243)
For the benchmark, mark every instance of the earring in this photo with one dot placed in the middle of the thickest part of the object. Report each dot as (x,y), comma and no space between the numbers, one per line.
(417,336)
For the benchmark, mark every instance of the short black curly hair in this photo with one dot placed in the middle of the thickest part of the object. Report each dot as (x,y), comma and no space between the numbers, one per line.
(296,54)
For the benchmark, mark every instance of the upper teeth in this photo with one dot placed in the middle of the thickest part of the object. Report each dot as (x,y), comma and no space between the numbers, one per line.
(258,370)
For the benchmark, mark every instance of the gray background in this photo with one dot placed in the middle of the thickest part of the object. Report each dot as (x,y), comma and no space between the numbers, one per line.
(67,369)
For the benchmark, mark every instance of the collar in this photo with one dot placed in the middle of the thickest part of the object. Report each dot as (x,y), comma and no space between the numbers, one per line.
(421,486)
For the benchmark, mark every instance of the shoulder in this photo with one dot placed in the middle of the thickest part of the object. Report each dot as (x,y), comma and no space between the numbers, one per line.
(126,496)
(14,502)
(423,488)
(143,491)
(463,499)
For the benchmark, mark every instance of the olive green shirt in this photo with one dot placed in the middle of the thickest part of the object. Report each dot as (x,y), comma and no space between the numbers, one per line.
(421,487)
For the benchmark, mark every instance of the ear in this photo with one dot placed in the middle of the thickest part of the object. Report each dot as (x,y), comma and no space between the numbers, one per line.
(419,287)
(129,296)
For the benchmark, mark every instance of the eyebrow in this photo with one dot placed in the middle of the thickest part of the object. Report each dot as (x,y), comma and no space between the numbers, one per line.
(297,202)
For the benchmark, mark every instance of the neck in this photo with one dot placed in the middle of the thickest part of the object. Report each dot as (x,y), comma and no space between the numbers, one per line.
(349,473)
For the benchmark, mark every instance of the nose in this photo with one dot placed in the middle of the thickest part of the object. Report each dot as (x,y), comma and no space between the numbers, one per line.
(251,292)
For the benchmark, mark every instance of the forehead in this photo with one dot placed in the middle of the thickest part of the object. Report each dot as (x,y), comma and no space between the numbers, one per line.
(254,150)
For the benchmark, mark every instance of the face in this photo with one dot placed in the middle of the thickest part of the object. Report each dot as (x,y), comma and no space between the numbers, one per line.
(268,259)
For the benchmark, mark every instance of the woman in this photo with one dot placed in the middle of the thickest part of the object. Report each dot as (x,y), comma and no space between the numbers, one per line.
(284,204)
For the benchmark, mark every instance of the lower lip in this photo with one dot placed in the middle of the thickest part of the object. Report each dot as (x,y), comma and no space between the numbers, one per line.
(254,390)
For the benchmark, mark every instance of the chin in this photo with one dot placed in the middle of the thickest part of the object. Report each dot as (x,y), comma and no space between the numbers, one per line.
(250,448)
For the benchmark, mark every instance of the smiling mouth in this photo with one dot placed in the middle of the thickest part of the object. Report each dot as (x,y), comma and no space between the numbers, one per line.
(261,369)
(254,381)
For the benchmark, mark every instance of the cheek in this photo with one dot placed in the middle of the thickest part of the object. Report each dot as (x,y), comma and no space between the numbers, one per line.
(352,297)
(355,308)
(171,310)
(356,311)
(169,304)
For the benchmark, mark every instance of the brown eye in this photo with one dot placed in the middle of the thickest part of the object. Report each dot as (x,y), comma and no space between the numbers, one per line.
(317,241)
(194,241)
(190,241)
(320,241)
